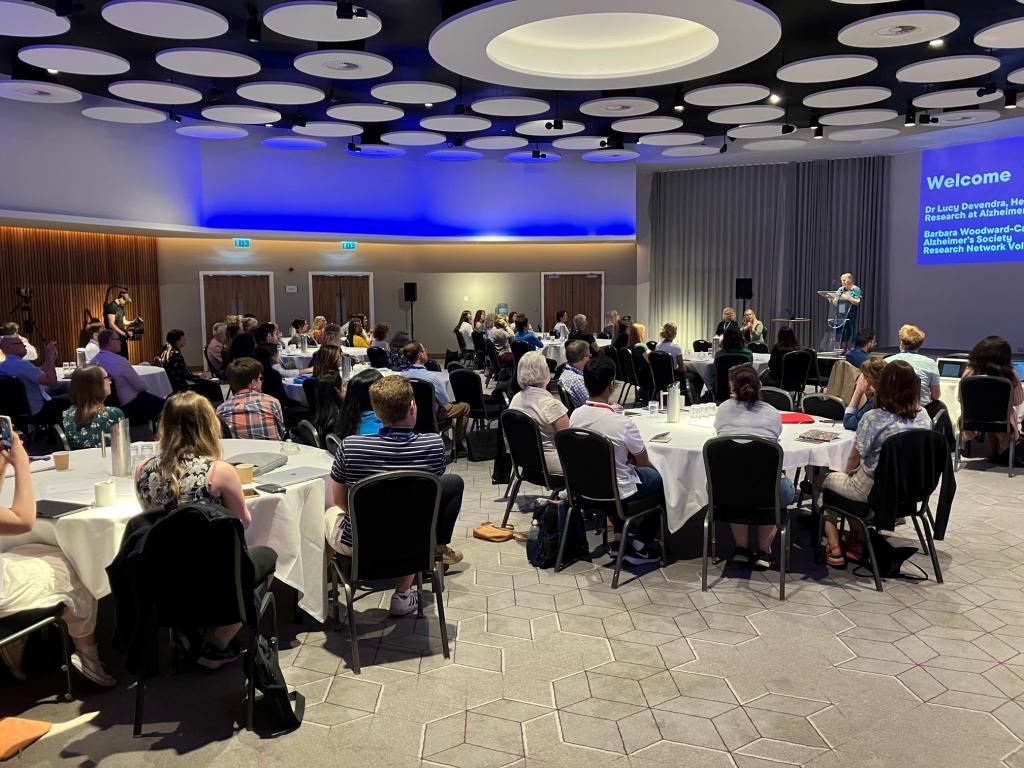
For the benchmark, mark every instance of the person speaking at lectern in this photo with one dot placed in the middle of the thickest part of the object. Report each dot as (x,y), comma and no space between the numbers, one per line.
(847,304)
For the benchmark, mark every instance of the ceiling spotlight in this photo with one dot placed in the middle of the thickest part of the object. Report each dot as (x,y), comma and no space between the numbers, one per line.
(349,11)
(819,132)
(538,155)
(923,118)
(174,117)
(52,71)
(353,147)
(987,90)
(725,148)
(554,125)
(911,120)
(253,27)
(775,98)
(429,105)
(679,107)
(788,128)
(936,43)
(298,121)
(1011,98)
(268,125)
(458,141)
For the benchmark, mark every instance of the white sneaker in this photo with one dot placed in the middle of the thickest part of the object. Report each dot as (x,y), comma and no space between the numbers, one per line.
(404,603)
(92,670)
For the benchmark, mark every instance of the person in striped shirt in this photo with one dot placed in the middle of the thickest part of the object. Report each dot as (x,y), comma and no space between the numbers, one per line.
(249,413)
(396,447)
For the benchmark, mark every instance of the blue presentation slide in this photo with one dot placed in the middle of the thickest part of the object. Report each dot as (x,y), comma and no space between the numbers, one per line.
(972,203)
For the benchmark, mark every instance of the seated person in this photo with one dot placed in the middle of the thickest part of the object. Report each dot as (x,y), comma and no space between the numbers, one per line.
(620,338)
(190,468)
(611,328)
(248,412)
(785,342)
(35,576)
(897,409)
(744,413)
(37,380)
(215,349)
(416,357)
(728,321)
(464,328)
(863,399)
(502,338)
(268,333)
(395,355)
(333,335)
(927,370)
(132,395)
(580,332)
(396,447)
(244,343)
(863,343)
(577,355)
(732,344)
(300,333)
(357,416)
(355,336)
(12,329)
(635,475)
(561,330)
(88,340)
(172,360)
(546,410)
(992,356)
(269,357)
(380,336)
(326,362)
(668,344)
(753,329)
(523,333)
(317,329)
(89,417)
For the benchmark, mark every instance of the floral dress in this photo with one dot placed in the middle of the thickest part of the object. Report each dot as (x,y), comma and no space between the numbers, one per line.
(173,362)
(154,491)
(88,435)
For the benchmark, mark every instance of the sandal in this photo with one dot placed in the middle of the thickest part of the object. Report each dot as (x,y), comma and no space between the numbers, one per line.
(835,558)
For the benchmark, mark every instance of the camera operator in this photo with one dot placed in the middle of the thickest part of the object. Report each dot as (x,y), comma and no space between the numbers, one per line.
(113,318)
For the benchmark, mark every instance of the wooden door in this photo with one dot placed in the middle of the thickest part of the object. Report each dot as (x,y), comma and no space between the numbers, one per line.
(338,297)
(576,294)
(253,296)
(227,294)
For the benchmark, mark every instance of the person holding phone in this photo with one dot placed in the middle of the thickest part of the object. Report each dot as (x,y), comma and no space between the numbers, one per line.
(37,380)
(34,576)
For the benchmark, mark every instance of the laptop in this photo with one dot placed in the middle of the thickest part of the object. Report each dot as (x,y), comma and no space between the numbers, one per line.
(262,462)
(51,509)
(293,476)
(951,367)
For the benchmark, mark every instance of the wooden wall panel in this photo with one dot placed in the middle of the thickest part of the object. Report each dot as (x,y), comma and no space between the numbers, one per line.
(69,273)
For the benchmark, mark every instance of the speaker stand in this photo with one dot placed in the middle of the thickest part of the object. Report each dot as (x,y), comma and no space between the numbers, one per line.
(412,320)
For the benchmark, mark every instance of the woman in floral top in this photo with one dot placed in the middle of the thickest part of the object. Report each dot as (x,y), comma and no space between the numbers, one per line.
(173,362)
(88,417)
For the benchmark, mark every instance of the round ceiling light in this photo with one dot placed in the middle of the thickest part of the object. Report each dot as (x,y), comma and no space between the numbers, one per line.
(376,151)
(611,156)
(39,92)
(655,124)
(756,131)
(207,62)
(947,69)
(318,20)
(841,98)
(343,64)
(775,145)
(1006,34)
(697,151)
(955,98)
(580,142)
(511,106)
(293,142)
(859,117)
(240,113)
(454,155)
(726,95)
(328,129)
(761,113)
(212,131)
(1016,77)
(827,69)
(73,60)
(596,45)
(173,19)
(154,92)
(890,30)
(497,142)
(535,156)
(366,113)
(965,117)
(619,107)
(412,92)
(863,134)
(540,128)
(455,123)
(413,138)
(671,139)
(23,19)
(130,115)
(280,93)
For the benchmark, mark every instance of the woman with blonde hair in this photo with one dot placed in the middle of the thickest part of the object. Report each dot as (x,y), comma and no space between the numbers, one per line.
(753,329)
(89,417)
(317,331)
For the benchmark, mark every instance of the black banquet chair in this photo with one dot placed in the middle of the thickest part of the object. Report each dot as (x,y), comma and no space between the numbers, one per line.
(523,438)
(701,345)
(23,623)
(378,357)
(663,370)
(519,348)
(777,398)
(985,407)
(755,501)
(824,406)
(209,389)
(468,388)
(407,502)
(723,363)
(427,418)
(305,433)
(796,367)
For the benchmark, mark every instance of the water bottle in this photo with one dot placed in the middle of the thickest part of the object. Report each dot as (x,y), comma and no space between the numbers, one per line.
(120,441)
(673,403)
(80,357)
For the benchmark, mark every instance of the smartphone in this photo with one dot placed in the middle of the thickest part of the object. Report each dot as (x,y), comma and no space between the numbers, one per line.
(272,488)
(6,433)
(663,437)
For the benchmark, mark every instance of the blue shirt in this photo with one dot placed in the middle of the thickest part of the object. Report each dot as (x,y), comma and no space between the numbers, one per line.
(435,379)
(16,368)
(847,309)
(857,357)
(571,381)
(530,339)
(369,424)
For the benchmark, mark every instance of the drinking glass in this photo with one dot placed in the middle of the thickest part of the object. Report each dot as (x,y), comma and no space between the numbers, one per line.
(652,407)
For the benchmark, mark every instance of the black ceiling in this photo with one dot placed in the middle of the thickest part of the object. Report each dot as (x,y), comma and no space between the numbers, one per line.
(809,27)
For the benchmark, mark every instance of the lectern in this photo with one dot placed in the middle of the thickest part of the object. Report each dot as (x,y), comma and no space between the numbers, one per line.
(838,316)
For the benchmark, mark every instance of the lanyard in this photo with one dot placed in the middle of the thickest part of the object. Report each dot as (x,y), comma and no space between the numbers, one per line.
(601,405)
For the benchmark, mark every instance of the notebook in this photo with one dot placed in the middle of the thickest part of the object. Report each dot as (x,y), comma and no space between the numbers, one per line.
(818,436)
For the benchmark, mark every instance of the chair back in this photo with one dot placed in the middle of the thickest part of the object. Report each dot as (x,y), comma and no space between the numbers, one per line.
(701,345)
(394,518)
(14,402)
(564,397)
(454,366)
(209,389)
(825,406)
(626,366)
(943,424)
(377,357)
(588,461)
(225,430)
(743,478)
(311,389)
(913,461)
(985,403)
(779,399)
(332,443)
(62,437)
(426,405)
(723,363)
(663,370)
(478,344)
(519,348)
(449,356)
(467,388)
(522,435)
(758,348)
(796,366)
(305,433)
(814,371)
(461,340)
(492,355)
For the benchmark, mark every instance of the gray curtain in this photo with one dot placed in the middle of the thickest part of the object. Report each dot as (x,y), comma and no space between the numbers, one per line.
(793,228)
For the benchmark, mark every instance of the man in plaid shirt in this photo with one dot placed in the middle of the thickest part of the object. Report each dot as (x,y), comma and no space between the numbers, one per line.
(249,413)
(577,355)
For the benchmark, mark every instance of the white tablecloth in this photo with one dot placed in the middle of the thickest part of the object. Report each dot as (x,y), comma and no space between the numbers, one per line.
(603,342)
(154,376)
(704,364)
(681,461)
(295,359)
(554,350)
(296,392)
(291,523)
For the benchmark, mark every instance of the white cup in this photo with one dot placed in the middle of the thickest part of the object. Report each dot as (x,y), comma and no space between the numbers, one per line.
(106,493)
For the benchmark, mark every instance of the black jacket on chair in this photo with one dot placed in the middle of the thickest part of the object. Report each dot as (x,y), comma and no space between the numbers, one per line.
(898,470)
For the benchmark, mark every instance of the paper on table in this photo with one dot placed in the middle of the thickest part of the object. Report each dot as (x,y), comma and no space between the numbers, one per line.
(40,465)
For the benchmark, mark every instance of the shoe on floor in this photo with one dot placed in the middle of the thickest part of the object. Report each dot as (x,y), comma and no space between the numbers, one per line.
(642,553)
(91,668)
(12,655)
(213,657)
(404,603)
(612,550)
(449,556)
(742,556)
(761,561)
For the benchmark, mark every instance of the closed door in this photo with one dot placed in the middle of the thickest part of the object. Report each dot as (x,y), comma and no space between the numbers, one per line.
(338,297)
(576,293)
(228,294)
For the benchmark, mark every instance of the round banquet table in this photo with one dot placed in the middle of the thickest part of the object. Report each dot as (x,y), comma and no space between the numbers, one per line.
(554,350)
(296,392)
(603,342)
(154,377)
(704,364)
(292,358)
(292,523)
(681,460)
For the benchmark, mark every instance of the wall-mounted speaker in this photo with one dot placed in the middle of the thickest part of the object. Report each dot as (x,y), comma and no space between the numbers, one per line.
(410,292)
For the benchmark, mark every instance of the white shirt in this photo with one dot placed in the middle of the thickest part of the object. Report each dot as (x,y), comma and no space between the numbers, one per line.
(672,349)
(91,349)
(545,409)
(760,419)
(467,333)
(30,352)
(561,331)
(623,434)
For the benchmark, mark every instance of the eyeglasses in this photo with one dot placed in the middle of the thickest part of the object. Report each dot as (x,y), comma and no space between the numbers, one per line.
(106,378)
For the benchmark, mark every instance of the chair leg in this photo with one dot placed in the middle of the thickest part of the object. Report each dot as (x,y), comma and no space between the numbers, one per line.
(623,543)
(419,595)
(353,635)
(704,563)
(1013,447)
(511,500)
(783,544)
(871,554)
(931,550)
(563,538)
(959,451)
(65,663)
(440,614)
(920,537)
(663,519)
(140,696)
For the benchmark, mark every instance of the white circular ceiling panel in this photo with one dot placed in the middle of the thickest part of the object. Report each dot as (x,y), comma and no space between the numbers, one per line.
(1005,34)
(698,151)
(413,138)
(212,131)
(241,113)
(511,106)
(863,2)
(670,139)
(73,60)
(454,155)
(756,131)
(130,115)
(965,117)
(455,123)
(653,124)
(774,145)
(280,93)
(947,69)
(859,117)
(39,92)
(528,157)
(1016,77)
(376,151)
(863,134)
(318,20)
(827,69)
(413,92)
(328,129)
(539,128)
(890,30)
(619,107)
(611,156)
(366,113)
(293,143)
(585,143)
(841,98)
(23,19)
(154,92)
(497,142)
(343,64)
(760,113)
(726,95)
(613,45)
(207,62)
(172,19)
(955,98)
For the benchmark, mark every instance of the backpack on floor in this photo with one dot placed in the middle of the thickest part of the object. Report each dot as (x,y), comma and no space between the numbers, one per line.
(890,559)
(278,711)
(545,534)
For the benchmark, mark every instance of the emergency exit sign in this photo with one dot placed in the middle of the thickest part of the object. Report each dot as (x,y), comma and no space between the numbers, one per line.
(348,245)
(243,242)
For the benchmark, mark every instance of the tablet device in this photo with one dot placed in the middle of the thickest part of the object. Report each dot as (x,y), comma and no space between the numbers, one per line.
(51,509)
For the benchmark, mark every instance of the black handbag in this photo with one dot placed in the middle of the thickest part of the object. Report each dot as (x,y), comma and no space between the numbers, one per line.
(482,444)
